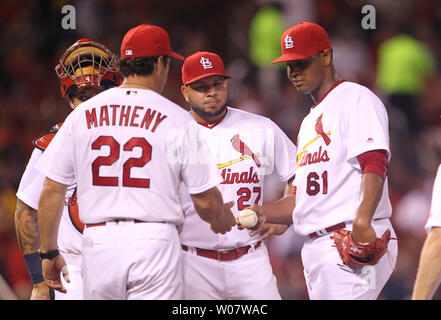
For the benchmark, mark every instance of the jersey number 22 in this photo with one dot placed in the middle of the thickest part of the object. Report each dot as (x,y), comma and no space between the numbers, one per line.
(114,154)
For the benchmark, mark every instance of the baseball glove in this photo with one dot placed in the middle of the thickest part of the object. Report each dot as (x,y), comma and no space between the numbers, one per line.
(353,253)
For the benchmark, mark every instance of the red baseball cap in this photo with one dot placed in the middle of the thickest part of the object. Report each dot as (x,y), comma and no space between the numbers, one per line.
(147,41)
(303,40)
(201,65)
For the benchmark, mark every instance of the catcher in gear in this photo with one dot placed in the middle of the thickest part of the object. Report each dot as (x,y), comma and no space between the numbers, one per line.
(85,69)
(89,65)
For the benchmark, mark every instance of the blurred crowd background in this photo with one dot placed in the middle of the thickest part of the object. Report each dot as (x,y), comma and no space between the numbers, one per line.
(398,60)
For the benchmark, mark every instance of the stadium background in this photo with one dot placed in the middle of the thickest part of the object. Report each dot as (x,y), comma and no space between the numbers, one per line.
(398,60)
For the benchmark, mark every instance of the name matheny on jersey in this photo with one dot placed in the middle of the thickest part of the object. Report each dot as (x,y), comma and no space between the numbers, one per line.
(121,115)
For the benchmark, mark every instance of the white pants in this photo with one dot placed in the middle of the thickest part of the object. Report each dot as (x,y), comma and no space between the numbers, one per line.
(248,278)
(132,261)
(75,287)
(327,278)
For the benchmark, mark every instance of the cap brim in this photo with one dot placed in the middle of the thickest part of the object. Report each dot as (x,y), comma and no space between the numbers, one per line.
(290,57)
(176,56)
(205,76)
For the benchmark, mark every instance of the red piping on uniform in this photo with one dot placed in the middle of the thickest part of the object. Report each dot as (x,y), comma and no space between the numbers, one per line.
(212,124)
(335,84)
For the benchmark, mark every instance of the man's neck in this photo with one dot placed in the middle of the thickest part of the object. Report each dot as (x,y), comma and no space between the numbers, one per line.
(324,88)
(140,82)
(205,119)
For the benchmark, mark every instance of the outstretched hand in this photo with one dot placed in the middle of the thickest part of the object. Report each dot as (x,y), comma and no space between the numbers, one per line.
(262,219)
(268,229)
(225,222)
(51,272)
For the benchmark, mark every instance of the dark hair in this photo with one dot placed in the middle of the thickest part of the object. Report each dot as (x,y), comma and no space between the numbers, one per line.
(142,66)
(84,93)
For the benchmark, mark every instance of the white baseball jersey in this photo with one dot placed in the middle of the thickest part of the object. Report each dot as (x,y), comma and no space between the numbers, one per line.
(128,150)
(29,191)
(349,121)
(246,147)
(435,209)
(69,231)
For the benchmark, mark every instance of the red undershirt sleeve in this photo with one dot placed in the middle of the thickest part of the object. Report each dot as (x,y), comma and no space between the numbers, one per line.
(374,161)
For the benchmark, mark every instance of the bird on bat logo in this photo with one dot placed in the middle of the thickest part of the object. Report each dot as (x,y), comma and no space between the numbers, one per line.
(241,147)
(320,131)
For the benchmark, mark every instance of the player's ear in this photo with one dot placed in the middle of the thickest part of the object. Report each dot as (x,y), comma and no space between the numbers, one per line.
(327,57)
(162,63)
(184,90)
(164,60)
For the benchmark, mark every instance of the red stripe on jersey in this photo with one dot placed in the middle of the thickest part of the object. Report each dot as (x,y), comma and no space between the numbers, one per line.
(212,124)
(335,85)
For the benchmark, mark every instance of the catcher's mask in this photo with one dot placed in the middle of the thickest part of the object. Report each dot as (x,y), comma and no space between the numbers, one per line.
(87,63)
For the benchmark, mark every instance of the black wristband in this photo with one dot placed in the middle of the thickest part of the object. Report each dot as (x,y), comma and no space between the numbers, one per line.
(49,254)
(33,264)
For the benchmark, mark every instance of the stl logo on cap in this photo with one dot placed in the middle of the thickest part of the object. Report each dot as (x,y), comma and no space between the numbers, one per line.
(310,39)
(212,65)
(206,63)
(289,43)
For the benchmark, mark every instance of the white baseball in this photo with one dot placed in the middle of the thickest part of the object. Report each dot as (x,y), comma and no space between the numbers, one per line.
(248,218)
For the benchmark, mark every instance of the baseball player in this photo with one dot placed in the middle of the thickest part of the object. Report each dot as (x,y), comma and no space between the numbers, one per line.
(128,148)
(247,147)
(341,204)
(429,271)
(85,69)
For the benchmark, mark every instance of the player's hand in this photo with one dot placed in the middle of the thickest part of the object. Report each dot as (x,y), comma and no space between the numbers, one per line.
(225,222)
(262,219)
(40,291)
(230,221)
(268,229)
(362,232)
(52,270)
